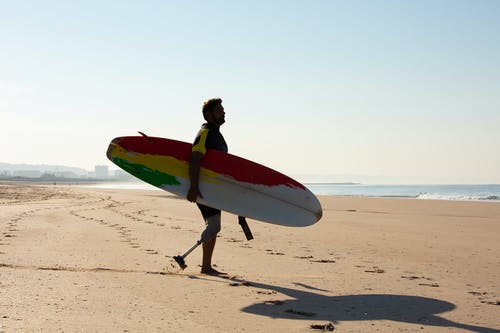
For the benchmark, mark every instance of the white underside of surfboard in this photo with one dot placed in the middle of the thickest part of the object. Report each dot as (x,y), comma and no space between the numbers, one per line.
(282,205)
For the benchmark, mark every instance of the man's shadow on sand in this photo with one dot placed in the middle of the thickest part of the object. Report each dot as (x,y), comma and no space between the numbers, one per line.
(401,308)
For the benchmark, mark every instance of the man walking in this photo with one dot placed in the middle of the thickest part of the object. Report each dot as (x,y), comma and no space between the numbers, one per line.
(209,137)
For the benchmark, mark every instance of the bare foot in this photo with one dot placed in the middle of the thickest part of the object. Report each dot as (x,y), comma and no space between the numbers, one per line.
(211,271)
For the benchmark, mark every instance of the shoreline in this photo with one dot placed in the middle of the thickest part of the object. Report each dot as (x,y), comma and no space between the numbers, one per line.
(448,192)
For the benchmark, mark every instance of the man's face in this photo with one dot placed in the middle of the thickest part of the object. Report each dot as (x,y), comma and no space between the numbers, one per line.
(217,116)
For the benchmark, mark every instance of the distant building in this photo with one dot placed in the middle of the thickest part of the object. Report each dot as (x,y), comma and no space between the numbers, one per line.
(27,173)
(66,174)
(101,171)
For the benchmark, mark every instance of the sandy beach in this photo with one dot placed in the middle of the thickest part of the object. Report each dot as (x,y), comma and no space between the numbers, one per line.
(77,259)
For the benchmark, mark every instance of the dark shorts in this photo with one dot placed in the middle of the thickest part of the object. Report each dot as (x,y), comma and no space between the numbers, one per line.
(206,211)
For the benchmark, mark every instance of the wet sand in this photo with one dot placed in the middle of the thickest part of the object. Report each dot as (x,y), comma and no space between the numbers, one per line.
(80,259)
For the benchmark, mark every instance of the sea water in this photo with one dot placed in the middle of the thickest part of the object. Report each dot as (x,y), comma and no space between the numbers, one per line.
(435,192)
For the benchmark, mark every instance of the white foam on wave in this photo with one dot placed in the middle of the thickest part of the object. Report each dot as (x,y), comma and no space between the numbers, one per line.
(458,197)
(490,193)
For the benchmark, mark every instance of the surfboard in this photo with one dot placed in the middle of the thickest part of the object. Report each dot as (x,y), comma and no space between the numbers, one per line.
(227,182)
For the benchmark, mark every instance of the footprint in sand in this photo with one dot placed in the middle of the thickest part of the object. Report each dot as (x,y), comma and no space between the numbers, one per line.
(415,277)
(324,261)
(234,240)
(326,327)
(303,257)
(434,285)
(274,302)
(376,270)
(274,253)
(485,297)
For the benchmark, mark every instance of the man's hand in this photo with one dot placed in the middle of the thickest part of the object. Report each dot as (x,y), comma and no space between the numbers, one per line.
(193,194)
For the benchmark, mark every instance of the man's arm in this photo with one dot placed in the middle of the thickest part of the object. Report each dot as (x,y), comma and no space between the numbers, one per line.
(194,176)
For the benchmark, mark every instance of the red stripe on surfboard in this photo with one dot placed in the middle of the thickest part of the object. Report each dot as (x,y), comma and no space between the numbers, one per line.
(246,171)
(155,146)
(240,169)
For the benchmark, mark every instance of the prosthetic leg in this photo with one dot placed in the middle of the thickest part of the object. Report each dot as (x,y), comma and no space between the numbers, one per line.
(246,229)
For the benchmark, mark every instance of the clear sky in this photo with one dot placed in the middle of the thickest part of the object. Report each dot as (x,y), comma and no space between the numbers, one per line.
(373,91)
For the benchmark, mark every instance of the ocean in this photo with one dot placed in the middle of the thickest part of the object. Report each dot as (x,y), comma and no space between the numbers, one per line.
(433,192)
(430,192)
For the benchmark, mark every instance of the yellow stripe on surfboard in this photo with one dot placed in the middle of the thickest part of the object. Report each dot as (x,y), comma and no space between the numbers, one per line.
(165,164)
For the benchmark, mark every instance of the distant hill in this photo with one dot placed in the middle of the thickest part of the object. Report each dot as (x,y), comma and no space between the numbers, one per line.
(42,168)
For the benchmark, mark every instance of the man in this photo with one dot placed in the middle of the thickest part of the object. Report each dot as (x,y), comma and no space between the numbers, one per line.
(209,137)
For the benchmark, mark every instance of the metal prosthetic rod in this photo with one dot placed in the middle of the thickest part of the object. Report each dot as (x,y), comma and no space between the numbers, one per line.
(180,259)
(244,225)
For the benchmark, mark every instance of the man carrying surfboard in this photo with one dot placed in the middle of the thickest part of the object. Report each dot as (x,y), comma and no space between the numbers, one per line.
(209,137)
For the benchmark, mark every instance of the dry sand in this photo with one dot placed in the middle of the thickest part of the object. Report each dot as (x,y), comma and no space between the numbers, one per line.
(76,259)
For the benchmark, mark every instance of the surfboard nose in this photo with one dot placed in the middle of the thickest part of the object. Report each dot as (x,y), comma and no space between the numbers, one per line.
(111,148)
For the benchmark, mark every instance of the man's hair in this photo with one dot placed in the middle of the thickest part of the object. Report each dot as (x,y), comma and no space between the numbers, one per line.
(210,105)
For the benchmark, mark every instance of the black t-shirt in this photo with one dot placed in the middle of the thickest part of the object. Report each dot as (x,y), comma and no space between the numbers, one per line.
(209,137)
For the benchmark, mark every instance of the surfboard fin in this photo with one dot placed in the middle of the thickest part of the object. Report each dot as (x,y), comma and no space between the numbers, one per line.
(246,229)
(148,138)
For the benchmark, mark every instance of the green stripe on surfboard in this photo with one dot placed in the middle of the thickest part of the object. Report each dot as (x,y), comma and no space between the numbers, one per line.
(153,177)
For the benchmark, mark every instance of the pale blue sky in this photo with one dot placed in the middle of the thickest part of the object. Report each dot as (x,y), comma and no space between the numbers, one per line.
(374,91)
